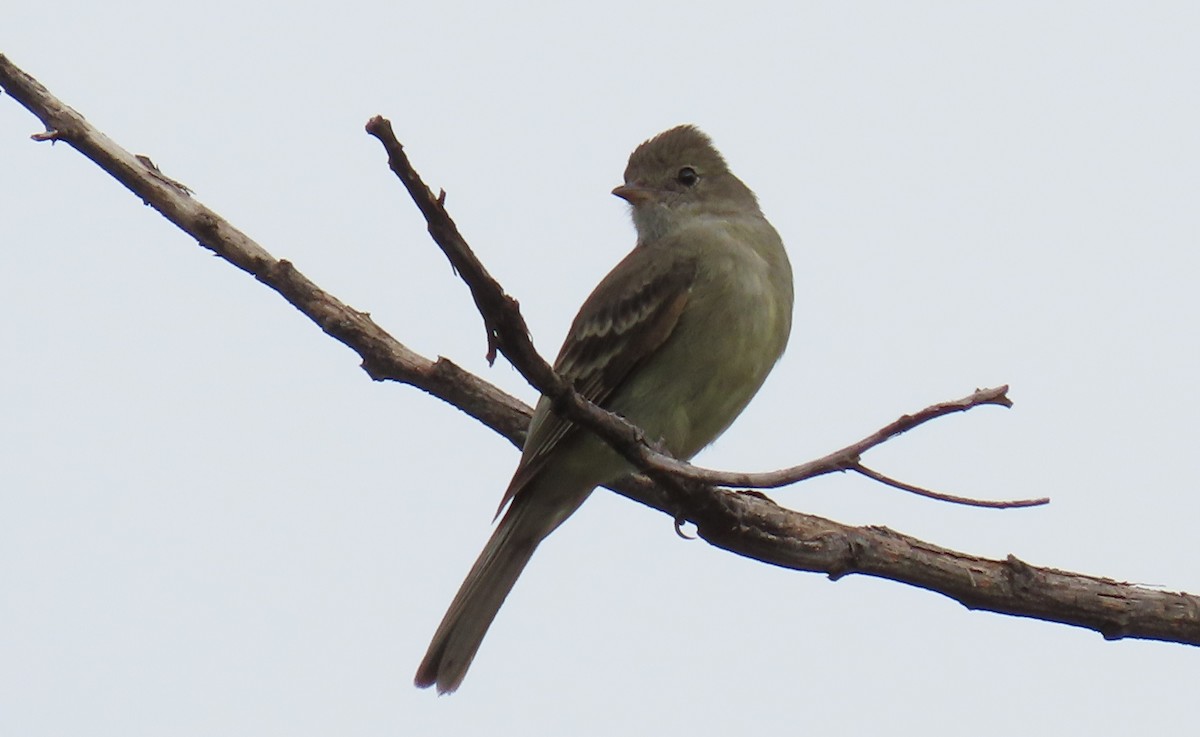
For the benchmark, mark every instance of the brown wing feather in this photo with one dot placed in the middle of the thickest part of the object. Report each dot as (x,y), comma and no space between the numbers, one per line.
(629,315)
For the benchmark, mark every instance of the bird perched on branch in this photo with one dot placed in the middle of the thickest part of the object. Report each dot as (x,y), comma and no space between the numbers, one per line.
(676,339)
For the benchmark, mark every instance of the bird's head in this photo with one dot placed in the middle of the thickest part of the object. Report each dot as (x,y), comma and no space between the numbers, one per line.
(676,176)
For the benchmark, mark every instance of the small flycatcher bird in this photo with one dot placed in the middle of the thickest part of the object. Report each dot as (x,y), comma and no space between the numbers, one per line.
(676,339)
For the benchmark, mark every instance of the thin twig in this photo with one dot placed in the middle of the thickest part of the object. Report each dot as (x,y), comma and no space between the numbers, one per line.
(921,491)
(499,311)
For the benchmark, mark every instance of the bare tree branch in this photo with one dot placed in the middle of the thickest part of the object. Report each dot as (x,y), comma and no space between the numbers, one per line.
(744,523)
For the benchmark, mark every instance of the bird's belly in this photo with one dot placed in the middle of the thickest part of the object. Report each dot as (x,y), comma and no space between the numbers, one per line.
(720,360)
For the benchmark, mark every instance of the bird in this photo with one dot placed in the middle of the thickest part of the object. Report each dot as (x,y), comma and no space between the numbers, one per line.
(676,339)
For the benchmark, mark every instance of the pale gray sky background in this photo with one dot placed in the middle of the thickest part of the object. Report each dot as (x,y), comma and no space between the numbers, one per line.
(212,522)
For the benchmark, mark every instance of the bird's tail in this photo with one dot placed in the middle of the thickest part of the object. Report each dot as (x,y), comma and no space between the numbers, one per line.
(479,598)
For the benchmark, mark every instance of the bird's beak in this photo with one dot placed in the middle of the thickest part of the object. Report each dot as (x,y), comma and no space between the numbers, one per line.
(634,194)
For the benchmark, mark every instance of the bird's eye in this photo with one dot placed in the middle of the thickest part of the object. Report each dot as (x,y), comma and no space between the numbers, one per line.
(687,176)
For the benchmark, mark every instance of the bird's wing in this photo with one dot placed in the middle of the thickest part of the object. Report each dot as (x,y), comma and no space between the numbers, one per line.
(629,315)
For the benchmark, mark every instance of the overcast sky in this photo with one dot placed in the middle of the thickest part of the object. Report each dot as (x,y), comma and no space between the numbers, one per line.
(212,521)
